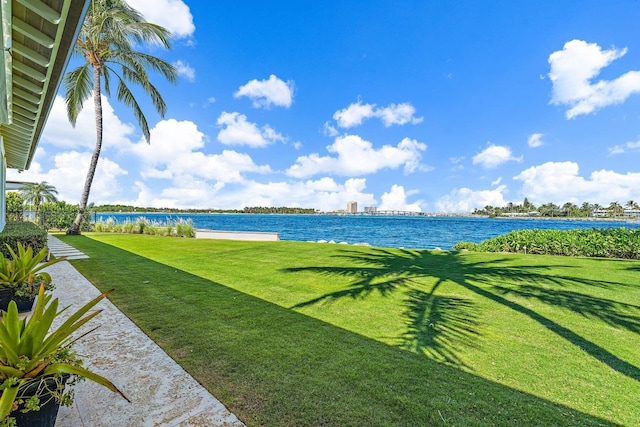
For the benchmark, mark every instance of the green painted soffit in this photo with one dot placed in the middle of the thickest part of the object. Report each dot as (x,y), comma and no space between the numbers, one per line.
(5,63)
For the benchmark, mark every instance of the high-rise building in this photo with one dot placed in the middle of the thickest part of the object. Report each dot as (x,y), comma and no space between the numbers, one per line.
(352,207)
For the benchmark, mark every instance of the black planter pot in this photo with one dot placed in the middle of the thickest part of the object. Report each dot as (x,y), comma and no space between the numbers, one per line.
(46,416)
(7,294)
(24,304)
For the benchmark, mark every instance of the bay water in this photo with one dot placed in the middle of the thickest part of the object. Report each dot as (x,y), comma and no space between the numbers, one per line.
(416,232)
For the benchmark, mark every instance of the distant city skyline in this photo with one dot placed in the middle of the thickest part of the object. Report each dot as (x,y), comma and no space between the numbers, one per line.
(411,106)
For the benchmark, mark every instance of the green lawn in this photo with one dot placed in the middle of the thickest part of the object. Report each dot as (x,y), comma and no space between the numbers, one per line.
(287,333)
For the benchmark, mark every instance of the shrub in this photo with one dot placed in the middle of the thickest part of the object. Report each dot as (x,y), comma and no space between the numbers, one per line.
(26,233)
(604,243)
(185,228)
(141,224)
(128,227)
(15,206)
(469,246)
(181,227)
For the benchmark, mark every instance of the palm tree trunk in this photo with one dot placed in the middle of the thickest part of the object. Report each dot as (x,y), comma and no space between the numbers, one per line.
(97,102)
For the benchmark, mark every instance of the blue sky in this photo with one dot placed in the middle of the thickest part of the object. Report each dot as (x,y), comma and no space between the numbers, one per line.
(435,106)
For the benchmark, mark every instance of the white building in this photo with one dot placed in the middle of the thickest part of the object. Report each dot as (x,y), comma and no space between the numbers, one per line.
(352,207)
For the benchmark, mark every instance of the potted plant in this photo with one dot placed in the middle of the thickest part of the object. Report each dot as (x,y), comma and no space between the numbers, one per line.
(37,359)
(22,275)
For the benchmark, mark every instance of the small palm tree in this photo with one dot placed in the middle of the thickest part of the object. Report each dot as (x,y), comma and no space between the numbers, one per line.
(615,208)
(110,32)
(36,193)
(569,208)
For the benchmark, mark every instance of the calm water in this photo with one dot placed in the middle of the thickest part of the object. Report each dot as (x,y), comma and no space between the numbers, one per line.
(409,232)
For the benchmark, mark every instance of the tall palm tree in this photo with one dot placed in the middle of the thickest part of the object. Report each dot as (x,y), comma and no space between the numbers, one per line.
(106,42)
(36,193)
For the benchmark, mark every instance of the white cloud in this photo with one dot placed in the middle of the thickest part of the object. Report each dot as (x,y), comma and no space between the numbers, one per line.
(236,130)
(356,156)
(170,140)
(325,194)
(60,133)
(572,70)
(560,182)
(535,140)
(466,200)
(354,114)
(496,182)
(265,93)
(174,15)
(176,153)
(183,194)
(329,130)
(393,114)
(457,163)
(629,146)
(172,171)
(396,200)
(68,176)
(494,155)
(399,114)
(185,70)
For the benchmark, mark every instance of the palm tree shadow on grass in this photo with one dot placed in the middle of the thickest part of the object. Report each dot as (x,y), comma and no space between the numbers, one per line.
(385,271)
(614,313)
(439,325)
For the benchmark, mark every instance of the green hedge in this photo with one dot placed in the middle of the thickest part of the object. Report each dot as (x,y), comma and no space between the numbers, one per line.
(601,242)
(28,233)
(60,215)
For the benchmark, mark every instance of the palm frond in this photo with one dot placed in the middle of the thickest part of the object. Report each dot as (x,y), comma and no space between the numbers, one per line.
(78,85)
(126,97)
(139,77)
(169,71)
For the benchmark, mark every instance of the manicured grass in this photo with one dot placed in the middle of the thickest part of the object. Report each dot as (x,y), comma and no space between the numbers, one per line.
(288,333)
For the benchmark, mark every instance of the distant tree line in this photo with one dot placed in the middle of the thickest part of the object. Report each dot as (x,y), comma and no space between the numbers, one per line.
(568,210)
(278,210)
(254,210)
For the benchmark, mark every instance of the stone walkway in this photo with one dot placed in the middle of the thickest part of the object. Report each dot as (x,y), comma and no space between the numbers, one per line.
(161,392)
(58,248)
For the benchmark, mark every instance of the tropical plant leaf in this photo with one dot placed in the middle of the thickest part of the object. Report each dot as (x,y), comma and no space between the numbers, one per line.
(64,368)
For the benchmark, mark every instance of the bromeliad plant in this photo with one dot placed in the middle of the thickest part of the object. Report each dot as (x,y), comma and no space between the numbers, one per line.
(31,350)
(23,272)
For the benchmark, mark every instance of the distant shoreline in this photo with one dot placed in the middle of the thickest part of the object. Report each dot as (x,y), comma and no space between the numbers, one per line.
(421,214)
(556,218)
